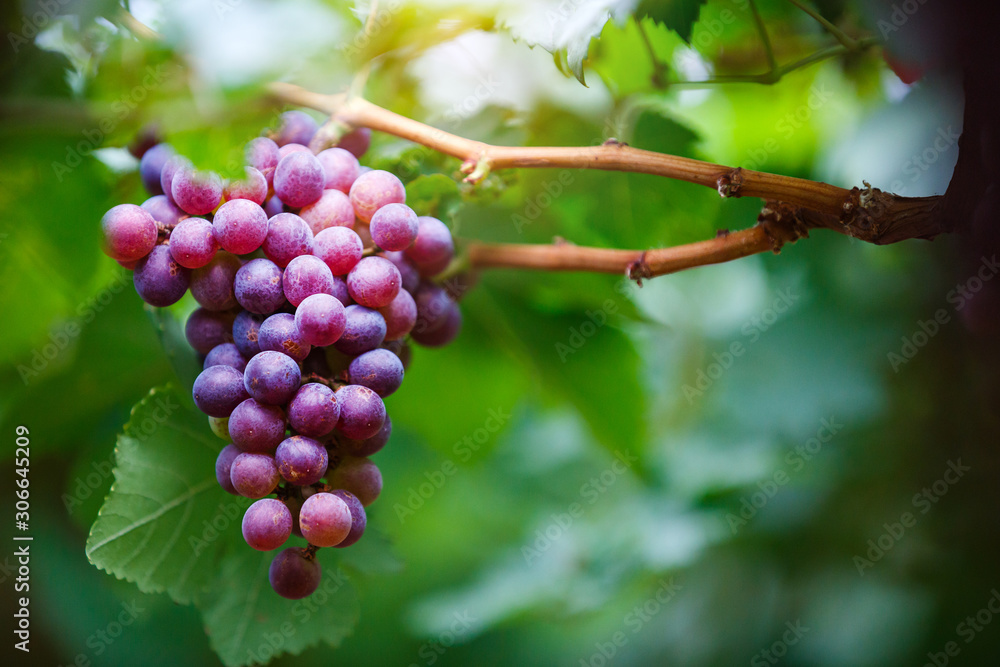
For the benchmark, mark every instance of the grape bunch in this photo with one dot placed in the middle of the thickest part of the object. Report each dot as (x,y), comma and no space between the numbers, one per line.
(312,276)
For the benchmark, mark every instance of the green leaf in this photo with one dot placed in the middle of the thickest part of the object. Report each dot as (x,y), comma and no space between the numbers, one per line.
(170,329)
(434,194)
(678,15)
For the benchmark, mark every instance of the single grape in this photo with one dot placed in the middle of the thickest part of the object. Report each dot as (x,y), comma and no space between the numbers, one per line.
(332,209)
(253,187)
(245,333)
(362,412)
(294,573)
(340,291)
(254,475)
(304,276)
(314,410)
(267,524)
(129,232)
(212,284)
(356,141)
(288,236)
(262,154)
(371,445)
(341,169)
(433,249)
(379,370)
(374,189)
(320,319)
(205,329)
(278,333)
(256,427)
(443,334)
(374,282)
(273,207)
(218,390)
(433,306)
(223,467)
(359,519)
(296,127)
(394,227)
(192,243)
(159,279)
(299,179)
(240,226)
(258,286)
(144,139)
(288,149)
(364,329)
(220,427)
(400,316)
(359,476)
(226,354)
(340,248)
(163,210)
(301,460)
(325,520)
(151,167)
(170,169)
(410,276)
(272,378)
(196,192)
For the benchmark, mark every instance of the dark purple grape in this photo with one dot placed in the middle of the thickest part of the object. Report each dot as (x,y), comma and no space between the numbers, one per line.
(129,233)
(332,209)
(410,276)
(170,168)
(151,166)
(394,227)
(253,187)
(433,249)
(299,179)
(245,333)
(341,169)
(304,276)
(379,370)
(223,467)
(218,390)
(226,354)
(256,427)
(240,226)
(159,279)
(267,524)
(262,154)
(374,189)
(340,291)
(272,378)
(192,243)
(400,316)
(359,476)
(359,519)
(443,334)
(362,412)
(301,460)
(258,286)
(340,248)
(278,333)
(212,284)
(163,210)
(320,319)
(370,446)
(294,574)
(356,141)
(288,236)
(254,475)
(144,139)
(297,127)
(433,306)
(205,329)
(325,520)
(314,410)
(374,282)
(364,329)
(196,192)
(273,207)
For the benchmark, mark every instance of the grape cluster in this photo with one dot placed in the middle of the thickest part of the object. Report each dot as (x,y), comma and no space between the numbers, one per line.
(312,275)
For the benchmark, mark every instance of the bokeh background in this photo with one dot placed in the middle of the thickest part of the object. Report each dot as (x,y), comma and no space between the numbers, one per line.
(587,476)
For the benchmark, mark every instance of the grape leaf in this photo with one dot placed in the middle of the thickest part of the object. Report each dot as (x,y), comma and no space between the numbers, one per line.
(678,15)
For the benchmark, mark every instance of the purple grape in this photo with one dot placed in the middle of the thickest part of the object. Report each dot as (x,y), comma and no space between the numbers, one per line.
(253,187)
(256,427)
(374,282)
(212,284)
(296,127)
(278,333)
(443,334)
(254,475)
(433,249)
(205,329)
(262,154)
(374,189)
(218,390)
(301,460)
(332,209)
(196,192)
(379,370)
(356,141)
(320,319)
(299,179)
(267,524)
(288,149)
(192,243)
(340,291)
(163,210)
(304,276)
(159,280)
(400,316)
(362,412)
(359,476)
(226,354)
(129,233)
(410,276)
(151,167)
(341,169)
(273,207)
(433,306)
(245,333)
(272,377)
(240,226)
(288,236)
(258,286)
(358,518)
(370,446)
(223,466)
(294,573)
(340,248)
(394,227)
(325,520)
(364,329)
(170,168)
(314,410)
